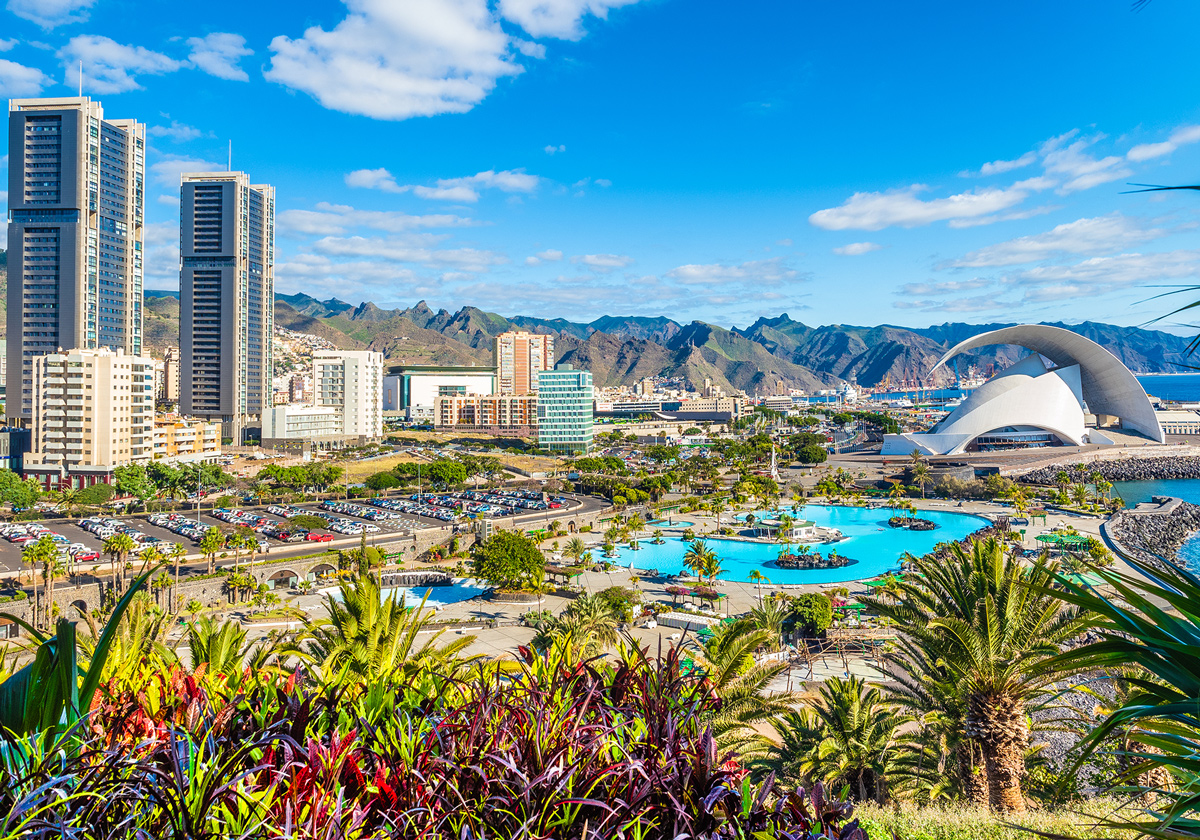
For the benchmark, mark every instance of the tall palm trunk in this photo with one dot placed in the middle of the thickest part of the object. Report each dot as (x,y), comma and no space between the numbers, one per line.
(972,772)
(998,721)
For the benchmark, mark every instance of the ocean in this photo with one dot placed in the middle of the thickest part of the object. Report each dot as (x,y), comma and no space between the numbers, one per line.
(1181,387)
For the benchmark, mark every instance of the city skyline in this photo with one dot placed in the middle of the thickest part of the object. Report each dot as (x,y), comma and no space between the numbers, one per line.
(574,159)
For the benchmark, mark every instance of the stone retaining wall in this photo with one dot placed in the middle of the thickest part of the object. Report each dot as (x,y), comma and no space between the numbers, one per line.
(1154,533)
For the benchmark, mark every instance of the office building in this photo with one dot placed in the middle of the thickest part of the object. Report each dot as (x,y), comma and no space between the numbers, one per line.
(352,382)
(508,414)
(93,411)
(414,389)
(564,410)
(172,363)
(303,428)
(183,440)
(76,206)
(519,356)
(227,293)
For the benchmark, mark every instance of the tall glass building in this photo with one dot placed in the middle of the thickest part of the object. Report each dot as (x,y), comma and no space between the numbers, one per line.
(565,410)
(226,298)
(76,199)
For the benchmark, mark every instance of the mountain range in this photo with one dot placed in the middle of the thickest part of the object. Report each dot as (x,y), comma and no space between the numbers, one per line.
(770,354)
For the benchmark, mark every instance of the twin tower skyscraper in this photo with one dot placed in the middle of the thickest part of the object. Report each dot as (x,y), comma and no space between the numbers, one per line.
(76,259)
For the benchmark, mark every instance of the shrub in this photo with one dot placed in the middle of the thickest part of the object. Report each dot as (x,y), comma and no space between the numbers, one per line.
(813,613)
(308,521)
(621,600)
(97,494)
(509,560)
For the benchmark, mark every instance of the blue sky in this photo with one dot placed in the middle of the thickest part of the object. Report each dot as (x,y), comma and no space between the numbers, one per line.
(849,163)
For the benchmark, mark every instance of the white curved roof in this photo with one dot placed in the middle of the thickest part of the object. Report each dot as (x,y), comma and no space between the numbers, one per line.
(1108,386)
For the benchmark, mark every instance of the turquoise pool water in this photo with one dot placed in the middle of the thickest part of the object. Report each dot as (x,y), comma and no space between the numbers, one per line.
(869,540)
(670,523)
(463,589)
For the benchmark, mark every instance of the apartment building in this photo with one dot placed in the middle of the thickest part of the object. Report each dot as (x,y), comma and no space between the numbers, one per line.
(227,293)
(513,414)
(172,372)
(184,440)
(76,213)
(519,356)
(93,411)
(564,410)
(352,382)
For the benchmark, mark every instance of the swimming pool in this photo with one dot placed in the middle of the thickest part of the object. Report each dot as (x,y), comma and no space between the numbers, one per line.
(869,541)
(669,523)
(463,589)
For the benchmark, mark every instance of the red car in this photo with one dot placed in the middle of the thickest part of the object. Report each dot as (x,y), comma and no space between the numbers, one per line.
(86,556)
(314,537)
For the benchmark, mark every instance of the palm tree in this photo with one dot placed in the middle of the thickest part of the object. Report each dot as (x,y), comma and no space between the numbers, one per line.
(68,500)
(42,557)
(741,684)
(718,507)
(176,552)
(756,577)
(574,548)
(222,648)
(118,547)
(1080,494)
(658,536)
(588,626)
(856,730)
(698,557)
(367,636)
(635,524)
(770,615)
(211,543)
(992,621)
(1063,479)
(921,475)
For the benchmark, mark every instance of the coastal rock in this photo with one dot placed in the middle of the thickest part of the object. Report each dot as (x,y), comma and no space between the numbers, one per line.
(1121,469)
(911,523)
(1152,536)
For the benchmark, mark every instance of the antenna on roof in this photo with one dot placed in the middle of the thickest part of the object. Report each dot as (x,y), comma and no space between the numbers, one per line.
(230,155)
(81,78)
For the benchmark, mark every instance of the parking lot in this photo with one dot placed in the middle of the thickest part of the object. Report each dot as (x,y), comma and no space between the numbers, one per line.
(380,518)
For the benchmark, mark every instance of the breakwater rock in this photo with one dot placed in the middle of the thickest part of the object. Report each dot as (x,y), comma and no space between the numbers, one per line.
(1120,469)
(1155,534)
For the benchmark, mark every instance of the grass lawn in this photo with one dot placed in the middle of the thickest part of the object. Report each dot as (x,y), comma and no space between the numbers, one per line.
(358,470)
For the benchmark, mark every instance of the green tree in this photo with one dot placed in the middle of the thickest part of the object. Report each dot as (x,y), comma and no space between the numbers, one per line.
(17,492)
(382,481)
(812,453)
(221,648)
(132,480)
(699,557)
(813,613)
(447,473)
(574,548)
(992,621)
(509,560)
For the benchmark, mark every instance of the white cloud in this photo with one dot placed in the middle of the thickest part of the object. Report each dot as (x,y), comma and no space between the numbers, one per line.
(373,179)
(556,18)
(553,150)
(854,249)
(1181,136)
(334,219)
(17,80)
(162,255)
(393,61)
(218,54)
(997,167)
(756,271)
(979,303)
(467,189)
(1083,236)
(1100,275)
(7,44)
(167,171)
(945,287)
(404,250)
(603,182)
(51,13)
(540,257)
(902,208)
(109,67)
(176,131)
(603,263)
(1079,170)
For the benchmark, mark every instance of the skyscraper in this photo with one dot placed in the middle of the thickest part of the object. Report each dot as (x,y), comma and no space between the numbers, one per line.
(226,295)
(564,410)
(351,380)
(76,197)
(519,356)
